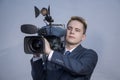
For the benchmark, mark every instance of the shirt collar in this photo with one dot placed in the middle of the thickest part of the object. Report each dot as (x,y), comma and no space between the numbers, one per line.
(71,49)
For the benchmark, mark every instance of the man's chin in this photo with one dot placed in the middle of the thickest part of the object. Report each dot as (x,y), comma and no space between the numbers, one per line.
(71,43)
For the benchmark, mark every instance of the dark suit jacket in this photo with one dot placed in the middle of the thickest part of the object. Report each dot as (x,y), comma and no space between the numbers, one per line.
(79,65)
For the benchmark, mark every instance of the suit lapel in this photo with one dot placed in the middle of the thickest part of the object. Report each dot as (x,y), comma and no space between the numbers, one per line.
(77,51)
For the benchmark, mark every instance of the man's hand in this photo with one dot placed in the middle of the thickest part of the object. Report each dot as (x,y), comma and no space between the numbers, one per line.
(36,55)
(47,49)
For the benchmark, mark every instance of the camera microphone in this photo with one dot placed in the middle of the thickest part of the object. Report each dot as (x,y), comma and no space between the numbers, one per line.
(29,29)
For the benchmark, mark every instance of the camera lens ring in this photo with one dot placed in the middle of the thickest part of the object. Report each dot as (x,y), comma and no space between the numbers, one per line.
(36,44)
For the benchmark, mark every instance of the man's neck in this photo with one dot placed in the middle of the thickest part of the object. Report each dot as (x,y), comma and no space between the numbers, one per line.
(70,46)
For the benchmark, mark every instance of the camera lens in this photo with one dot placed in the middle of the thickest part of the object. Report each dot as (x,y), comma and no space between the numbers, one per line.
(36,45)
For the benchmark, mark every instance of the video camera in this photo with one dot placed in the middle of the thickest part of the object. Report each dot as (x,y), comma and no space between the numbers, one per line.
(53,33)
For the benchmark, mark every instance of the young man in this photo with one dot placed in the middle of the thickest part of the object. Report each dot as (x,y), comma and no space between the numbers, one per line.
(77,65)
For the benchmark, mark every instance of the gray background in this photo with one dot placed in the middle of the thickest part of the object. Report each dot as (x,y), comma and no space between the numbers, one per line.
(103,18)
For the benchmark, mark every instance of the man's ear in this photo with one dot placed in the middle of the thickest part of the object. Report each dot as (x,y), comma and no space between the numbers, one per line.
(83,37)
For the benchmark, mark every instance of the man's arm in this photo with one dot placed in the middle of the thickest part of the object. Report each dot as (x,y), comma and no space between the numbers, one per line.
(37,69)
(80,66)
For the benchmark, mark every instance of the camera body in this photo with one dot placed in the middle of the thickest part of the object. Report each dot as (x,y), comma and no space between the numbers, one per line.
(36,44)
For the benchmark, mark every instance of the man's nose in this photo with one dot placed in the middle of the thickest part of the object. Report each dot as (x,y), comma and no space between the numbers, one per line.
(72,31)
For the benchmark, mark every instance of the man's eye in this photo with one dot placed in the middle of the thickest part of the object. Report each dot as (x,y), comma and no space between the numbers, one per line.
(69,28)
(77,30)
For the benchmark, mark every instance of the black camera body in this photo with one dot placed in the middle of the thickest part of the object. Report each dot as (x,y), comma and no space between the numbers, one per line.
(36,44)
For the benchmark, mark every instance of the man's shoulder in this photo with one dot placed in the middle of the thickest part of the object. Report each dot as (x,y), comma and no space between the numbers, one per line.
(92,53)
(86,50)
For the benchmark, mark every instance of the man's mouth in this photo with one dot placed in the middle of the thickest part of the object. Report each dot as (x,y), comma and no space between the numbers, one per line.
(71,37)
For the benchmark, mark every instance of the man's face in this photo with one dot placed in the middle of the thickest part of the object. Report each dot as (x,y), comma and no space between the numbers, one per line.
(74,33)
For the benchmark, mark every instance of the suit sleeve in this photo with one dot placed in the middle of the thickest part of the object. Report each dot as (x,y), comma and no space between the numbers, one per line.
(37,70)
(81,65)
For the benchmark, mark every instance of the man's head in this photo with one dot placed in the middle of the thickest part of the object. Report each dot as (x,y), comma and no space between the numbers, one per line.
(76,30)
(81,20)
